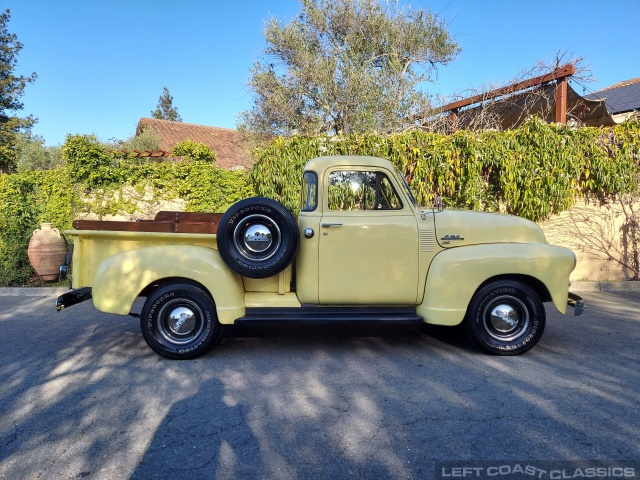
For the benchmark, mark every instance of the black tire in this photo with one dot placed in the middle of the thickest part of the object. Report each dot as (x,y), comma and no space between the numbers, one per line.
(258,237)
(505,318)
(179,322)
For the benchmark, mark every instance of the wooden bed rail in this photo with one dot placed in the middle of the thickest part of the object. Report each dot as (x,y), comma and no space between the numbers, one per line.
(164,222)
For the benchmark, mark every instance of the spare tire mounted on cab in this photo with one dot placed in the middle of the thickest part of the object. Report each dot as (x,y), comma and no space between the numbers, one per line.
(257,237)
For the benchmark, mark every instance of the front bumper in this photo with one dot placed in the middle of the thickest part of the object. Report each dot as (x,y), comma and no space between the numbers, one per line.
(73,297)
(577,303)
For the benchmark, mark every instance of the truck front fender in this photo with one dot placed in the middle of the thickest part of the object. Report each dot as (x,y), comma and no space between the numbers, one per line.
(120,278)
(456,274)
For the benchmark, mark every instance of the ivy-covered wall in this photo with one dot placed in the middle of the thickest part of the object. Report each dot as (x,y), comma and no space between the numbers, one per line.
(104,182)
(534,171)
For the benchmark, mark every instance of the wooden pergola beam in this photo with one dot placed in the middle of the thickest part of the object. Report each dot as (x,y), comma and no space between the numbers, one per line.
(561,100)
(561,73)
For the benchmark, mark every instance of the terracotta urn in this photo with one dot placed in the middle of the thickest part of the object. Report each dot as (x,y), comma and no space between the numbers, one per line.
(47,251)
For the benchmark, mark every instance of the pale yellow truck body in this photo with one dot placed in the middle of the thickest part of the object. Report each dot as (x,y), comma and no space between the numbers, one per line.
(402,255)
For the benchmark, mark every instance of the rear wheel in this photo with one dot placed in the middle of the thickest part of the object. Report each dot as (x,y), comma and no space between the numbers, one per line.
(505,318)
(179,322)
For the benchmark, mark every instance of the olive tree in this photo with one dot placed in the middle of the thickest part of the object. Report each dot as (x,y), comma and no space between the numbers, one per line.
(346,66)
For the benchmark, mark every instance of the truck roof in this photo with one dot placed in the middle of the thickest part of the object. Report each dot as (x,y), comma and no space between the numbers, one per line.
(320,164)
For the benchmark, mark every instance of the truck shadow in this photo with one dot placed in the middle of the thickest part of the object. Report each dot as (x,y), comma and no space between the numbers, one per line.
(431,336)
(324,332)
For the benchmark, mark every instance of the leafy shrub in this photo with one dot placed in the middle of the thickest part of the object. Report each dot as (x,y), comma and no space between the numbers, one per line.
(194,151)
(147,139)
(33,154)
(534,171)
(28,199)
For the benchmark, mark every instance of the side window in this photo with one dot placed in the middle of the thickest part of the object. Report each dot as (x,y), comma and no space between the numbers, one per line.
(309,192)
(356,190)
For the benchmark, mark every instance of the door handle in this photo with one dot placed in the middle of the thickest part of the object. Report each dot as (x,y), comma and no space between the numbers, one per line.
(331,224)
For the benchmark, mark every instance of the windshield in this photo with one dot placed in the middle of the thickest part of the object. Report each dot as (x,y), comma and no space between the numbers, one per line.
(407,189)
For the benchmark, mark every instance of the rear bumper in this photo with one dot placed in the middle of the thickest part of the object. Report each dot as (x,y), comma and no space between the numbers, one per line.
(577,303)
(73,297)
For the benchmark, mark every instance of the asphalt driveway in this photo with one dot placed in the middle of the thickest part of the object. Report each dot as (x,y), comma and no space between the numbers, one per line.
(81,395)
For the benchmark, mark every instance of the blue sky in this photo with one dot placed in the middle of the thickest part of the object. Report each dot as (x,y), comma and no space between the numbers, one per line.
(102,64)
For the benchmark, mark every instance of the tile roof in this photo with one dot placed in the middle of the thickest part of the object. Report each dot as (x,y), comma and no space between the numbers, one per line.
(223,141)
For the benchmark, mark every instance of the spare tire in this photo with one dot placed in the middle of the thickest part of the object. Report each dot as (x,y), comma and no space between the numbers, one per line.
(258,237)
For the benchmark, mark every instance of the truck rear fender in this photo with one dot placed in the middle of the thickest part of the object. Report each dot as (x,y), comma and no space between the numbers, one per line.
(456,274)
(130,273)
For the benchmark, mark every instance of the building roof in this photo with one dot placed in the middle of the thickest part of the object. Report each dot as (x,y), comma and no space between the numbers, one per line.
(621,97)
(226,143)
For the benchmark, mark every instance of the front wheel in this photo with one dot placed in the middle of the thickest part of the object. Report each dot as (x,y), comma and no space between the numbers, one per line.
(505,318)
(179,322)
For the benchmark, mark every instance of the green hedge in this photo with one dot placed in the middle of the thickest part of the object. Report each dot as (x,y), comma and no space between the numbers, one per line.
(534,171)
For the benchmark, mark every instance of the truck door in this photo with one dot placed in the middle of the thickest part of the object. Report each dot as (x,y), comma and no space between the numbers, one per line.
(368,241)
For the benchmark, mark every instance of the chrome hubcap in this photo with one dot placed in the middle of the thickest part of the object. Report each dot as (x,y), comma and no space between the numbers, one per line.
(506,318)
(180,321)
(256,237)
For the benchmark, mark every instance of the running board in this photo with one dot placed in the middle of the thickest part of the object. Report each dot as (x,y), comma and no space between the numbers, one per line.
(332,315)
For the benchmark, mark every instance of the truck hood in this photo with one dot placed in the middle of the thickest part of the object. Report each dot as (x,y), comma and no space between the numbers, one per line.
(455,228)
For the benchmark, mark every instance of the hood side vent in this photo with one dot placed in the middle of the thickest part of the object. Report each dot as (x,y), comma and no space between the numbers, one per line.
(427,241)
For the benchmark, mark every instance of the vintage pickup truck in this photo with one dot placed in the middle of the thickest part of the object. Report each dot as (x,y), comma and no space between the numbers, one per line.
(361,250)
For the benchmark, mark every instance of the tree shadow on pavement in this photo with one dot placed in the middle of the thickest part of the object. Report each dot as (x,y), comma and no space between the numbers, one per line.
(201,435)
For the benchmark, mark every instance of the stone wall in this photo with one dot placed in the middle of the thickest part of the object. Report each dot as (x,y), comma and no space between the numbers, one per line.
(603,238)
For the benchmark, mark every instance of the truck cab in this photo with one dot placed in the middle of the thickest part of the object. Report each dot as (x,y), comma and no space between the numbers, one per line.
(361,235)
